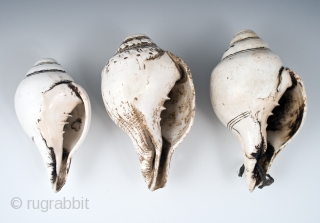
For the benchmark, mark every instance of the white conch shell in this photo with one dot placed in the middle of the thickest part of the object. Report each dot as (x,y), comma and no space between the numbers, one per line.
(142,85)
(55,112)
(246,87)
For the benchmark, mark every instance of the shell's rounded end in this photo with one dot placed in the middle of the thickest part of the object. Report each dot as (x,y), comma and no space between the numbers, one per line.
(244,41)
(243,34)
(136,36)
(44,65)
(136,41)
(45,60)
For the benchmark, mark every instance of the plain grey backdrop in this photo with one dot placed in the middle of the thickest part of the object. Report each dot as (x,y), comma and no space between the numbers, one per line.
(203,185)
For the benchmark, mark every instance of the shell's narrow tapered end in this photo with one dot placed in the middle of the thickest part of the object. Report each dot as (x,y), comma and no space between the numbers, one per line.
(149,93)
(55,112)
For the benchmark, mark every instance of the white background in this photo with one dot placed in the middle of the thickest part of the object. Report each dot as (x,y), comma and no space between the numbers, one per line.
(203,185)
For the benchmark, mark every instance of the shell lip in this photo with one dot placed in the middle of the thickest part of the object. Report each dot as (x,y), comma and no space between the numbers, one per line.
(300,112)
(282,126)
(169,146)
(59,174)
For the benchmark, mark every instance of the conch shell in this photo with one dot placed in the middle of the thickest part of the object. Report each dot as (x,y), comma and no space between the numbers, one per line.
(55,112)
(262,102)
(149,93)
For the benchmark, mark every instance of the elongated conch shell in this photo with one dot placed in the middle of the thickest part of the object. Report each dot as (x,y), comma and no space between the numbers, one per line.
(55,112)
(149,93)
(262,102)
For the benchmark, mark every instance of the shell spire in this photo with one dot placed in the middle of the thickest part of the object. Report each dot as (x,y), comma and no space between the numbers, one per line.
(245,41)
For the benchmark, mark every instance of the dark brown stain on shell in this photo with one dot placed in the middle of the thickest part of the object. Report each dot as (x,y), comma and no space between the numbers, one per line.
(45,71)
(53,164)
(58,83)
(157,55)
(260,170)
(295,125)
(46,62)
(163,164)
(244,51)
(140,37)
(76,125)
(279,77)
(134,125)
(75,90)
(70,85)
(287,115)
(55,179)
(63,170)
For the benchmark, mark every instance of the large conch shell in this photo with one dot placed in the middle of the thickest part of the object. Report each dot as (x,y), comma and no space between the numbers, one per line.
(55,112)
(149,93)
(262,102)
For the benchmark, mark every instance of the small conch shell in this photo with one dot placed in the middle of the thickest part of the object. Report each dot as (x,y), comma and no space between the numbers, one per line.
(262,102)
(55,112)
(149,93)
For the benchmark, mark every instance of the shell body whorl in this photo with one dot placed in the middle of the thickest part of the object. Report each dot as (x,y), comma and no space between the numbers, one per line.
(262,102)
(55,113)
(149,93)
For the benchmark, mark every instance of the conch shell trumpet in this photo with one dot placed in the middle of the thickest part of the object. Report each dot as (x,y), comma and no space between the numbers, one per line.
(260,101)
(149,93)
(55,112)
